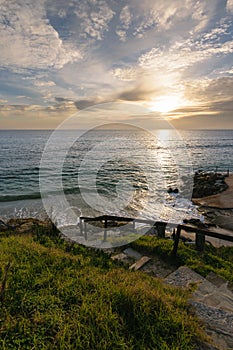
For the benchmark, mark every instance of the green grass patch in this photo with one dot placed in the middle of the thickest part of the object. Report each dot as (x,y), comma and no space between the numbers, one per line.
(65,296)
(217,260)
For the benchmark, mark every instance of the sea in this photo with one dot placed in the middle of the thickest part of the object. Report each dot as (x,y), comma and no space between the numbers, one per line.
(107,171)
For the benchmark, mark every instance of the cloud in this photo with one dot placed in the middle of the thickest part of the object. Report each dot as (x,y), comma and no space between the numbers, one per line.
(165,15)
(44,83)
(28,40)
(82,104)
(210,90)
(62,99)
(184,54)
(138,93)
(81,53)
(94,17)
(204,121)
(35,116)
(212,105)
(168,65)
(125,21)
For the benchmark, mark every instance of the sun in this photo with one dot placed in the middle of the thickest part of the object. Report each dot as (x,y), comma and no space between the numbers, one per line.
(165,104)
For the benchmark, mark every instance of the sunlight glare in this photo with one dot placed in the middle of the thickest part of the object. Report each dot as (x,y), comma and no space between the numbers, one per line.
(166,104)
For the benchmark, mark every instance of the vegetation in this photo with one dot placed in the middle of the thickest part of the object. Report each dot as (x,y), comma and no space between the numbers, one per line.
(217,260)
(60,295)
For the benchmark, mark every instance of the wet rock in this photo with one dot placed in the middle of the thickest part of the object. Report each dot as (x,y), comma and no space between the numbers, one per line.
(171,190)
(207,184)
(3,226)
(224,221)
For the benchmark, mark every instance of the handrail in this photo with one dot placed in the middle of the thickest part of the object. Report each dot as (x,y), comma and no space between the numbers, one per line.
(161,226)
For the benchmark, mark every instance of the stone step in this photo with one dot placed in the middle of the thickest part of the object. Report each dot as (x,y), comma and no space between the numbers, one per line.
(211,295)
(183,277)
(132,253)
(218,323)
(219,281)
(213,303)
(215,295)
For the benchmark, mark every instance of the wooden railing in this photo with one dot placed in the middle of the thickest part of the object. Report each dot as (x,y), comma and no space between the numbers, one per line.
(200,237)
(159,227)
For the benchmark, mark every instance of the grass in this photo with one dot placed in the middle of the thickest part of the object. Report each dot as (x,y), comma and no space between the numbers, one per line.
(217,260)
(64,296)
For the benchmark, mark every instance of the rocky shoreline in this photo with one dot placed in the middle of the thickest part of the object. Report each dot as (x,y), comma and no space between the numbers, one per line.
(25,225)
(208,184)
(205,184)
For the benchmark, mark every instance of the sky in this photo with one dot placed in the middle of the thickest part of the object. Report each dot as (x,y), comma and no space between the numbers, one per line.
(173,57)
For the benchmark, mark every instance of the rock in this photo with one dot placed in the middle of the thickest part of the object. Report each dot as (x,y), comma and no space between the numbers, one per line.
(120,257)
(3,226)
(132,253)
(207,184)
(21,225)
(223,221)
(171,190)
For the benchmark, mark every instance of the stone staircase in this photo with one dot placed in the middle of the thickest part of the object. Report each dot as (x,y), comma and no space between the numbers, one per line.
(212,299)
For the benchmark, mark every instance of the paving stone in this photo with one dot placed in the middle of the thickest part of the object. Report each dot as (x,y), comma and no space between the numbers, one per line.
(157,268)
(132,253)
(215,279)
(213,303)
(183,277)
(219,324)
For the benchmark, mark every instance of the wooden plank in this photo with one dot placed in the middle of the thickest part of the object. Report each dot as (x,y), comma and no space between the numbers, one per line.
(207,233)
(140,263)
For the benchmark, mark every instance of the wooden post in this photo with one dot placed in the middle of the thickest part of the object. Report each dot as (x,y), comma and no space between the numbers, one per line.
(176,242)
(134,228)
(85,230)
(161,229)
(105,229)
(81,226)
(228,172)
(200,242)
